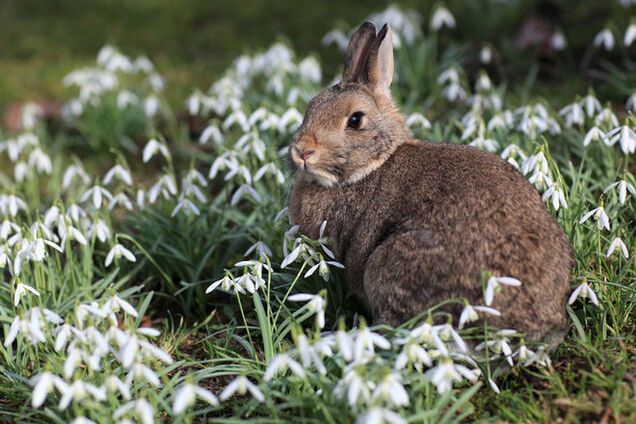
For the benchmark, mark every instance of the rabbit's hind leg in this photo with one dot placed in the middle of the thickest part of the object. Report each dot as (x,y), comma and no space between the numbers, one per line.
(408,273)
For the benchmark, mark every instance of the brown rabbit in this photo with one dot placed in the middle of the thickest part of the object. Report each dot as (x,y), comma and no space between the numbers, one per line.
(417,223)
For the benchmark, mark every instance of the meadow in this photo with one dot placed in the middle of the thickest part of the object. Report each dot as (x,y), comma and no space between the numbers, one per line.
(149,271)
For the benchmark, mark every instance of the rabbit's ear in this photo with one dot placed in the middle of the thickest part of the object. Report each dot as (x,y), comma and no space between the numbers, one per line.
(380,62)
(357,52)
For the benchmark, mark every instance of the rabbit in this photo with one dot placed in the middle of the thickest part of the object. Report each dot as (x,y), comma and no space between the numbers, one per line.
(417,223)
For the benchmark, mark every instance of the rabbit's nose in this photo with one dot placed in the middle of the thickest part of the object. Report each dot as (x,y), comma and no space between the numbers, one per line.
(304,155)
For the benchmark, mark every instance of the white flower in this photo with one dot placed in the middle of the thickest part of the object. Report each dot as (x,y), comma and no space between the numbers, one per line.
(323,267)
(493,385)
(493,285)
(604,38)
(630,35)
(558,41)
(590,104)
(594,134)
(630,104)
(442,17)
(281,362)
(416,119)
(117,252)
(625,136)
(316,304)
(378,415)
(186,395)
(623,188)
(599,216)
(469,314)
(391,388)
(556,194)
(98,195)
(583,290)
(152,147)
(617,243)
(242,190)
(44,384)
(365,343)
(445,373)
(20,290)
(485,55)
(141,407)
(120,172)
(227,284)
(242,385)
(573,114)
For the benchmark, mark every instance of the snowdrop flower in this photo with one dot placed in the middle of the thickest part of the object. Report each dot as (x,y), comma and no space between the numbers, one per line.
(606,118)
(21,290)
(117,252)
(378,415)
(623,188)
(590,104)
(365,343)
(469,314)
(280,363)
(487,144)
(494,285)
(152,147)
(617,243)
(100,231)
(625,136)
(187,205)
(73,171)
(43,384)
(243,190)
(599,216)
(630,35)
(558,41)
(391,389)
(604,38)
(485,55)
(98,196)
(227,284)
(151,105)
(584,291)
(290,121)
(79,390)
(126,98)
(316,305)
(573,114)
(40,161)
(594,134)
(337,37)
(309,70)
(442,17)
(445,373)
(412,353)
(630,104)
(140,407)
(11,204)
(556,195)
(242,385)
(416,119)
(120,199)
(120,172)
(186,395)
(323,269)
(165,186)
(212,132)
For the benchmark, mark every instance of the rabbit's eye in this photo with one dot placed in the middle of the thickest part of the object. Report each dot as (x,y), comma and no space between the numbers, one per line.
(355,120)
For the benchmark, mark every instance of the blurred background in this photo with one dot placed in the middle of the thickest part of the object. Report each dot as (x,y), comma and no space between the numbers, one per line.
(193,41)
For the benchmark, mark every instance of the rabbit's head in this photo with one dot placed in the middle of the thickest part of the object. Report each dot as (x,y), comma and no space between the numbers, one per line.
(351,128)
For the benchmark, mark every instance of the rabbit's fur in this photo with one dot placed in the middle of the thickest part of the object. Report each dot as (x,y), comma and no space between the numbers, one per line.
(417,223)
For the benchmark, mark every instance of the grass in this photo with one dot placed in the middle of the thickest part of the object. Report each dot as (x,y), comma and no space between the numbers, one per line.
(248,322)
